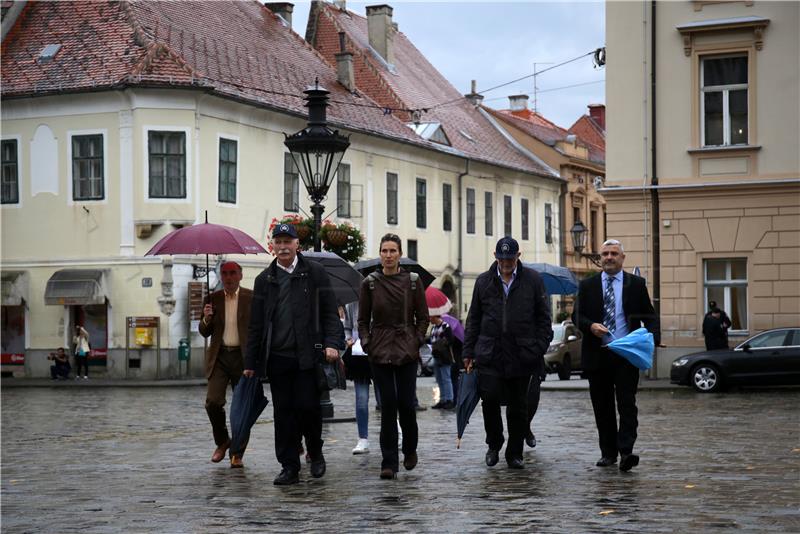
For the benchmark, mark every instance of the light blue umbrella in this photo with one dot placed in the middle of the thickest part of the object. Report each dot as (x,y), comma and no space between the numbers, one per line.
(637,347)
(557,280)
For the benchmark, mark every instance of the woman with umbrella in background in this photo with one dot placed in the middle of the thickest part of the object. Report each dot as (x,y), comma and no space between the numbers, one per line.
(442,341)
(392,322)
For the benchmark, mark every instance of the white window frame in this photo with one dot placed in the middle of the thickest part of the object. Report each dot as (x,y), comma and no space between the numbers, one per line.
(725,90)
(425,181)
(146,164)
(727,284)
(350,192)
(235,138)
(70,198)
(20,181)
(397,197)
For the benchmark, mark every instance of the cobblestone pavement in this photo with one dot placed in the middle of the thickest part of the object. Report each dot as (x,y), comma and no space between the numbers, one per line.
(136,460)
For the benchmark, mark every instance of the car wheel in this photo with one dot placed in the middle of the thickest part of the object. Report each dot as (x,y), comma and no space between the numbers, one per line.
(706,378)
(565,369)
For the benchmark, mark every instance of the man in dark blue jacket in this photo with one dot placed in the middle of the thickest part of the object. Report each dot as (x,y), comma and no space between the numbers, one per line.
(507,333)
(609,306)
(294,323)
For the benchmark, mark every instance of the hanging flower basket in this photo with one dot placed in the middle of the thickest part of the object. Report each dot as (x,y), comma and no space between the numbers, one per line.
(303,226)
(343,239)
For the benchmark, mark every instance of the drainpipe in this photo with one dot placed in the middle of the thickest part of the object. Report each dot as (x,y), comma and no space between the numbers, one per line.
(656,217)
(460,265)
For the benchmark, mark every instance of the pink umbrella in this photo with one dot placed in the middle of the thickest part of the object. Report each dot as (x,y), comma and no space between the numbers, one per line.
(438,303)
(206,239)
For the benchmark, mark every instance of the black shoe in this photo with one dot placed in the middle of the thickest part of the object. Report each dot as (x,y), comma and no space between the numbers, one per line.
(420,408)
(318,466)
(492,457)
(410,461)
(605,461)
(628,462)
(436,406)
(530,439)
(516,463)
(447,405)
(286,478)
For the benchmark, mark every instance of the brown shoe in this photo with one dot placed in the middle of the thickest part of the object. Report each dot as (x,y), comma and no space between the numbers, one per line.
(219,452)
(387,473)
(236,461)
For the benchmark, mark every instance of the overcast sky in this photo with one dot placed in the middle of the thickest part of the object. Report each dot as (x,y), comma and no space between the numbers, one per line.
(497,42)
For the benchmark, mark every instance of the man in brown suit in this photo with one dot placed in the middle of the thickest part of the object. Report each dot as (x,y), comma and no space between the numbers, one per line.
(225,318)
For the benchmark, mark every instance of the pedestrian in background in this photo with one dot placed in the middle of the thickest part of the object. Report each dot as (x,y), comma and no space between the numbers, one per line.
(82,350)
(60,368)
(608,307)
(508,331)
(226,316)
(442,341)
(392,322)
(357,369)
(724,320)
(294,327)
(714,332)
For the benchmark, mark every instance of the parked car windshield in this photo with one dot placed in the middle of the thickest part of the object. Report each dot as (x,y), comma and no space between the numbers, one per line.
(558,332)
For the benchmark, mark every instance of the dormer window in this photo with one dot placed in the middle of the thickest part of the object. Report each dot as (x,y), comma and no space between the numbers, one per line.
(432,131)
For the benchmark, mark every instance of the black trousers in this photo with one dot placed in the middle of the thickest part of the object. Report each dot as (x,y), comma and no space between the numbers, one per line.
(534,394)
(81,362)
(493,390)
(295,402)
(616,380)
(397,387)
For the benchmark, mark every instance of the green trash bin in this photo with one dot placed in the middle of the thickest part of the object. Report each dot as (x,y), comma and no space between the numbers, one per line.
(184,350)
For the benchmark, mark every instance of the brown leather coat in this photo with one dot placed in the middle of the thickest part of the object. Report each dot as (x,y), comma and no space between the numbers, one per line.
(392,318)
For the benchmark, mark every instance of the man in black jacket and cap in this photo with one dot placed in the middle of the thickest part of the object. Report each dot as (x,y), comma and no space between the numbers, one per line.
(507,334)
(294,323)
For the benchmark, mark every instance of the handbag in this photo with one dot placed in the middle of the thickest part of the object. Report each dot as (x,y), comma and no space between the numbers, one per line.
(329,375)
(442,351)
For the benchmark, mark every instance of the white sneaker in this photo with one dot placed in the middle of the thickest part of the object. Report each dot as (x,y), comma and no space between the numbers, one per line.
(85,377)
(362,447)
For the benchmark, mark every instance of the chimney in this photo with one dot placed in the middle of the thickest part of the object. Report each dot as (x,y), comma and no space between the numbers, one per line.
(344,65)
(381,30)
(475,98)
(598,113)
(518,102)
(282,9)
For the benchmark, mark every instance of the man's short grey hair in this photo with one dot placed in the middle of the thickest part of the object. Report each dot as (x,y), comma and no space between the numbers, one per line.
(614,242)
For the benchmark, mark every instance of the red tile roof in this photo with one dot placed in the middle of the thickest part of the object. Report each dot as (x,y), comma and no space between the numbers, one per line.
(413,83)
(548,132)
(590,131)
(238,50)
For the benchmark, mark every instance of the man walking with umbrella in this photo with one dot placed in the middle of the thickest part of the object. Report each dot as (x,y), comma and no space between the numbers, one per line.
(608,307)
(507,333)
(294,324)
(226,316)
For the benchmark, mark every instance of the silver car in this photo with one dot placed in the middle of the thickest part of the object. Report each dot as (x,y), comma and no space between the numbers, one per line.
(564,353)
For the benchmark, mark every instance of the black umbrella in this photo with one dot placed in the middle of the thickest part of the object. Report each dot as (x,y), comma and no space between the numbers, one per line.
(467,401)
(367,266)
(247,404)
(346,280)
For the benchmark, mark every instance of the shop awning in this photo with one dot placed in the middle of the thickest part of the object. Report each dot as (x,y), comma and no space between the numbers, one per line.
(15,288)
(71,287)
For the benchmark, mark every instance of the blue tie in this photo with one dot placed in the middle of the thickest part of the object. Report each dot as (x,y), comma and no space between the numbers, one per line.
(609,304)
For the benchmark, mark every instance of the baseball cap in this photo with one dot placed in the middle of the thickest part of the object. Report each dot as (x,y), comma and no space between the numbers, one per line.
(284,229)
(506,249)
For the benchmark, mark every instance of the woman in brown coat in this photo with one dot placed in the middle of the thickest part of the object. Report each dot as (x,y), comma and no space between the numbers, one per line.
(392,321)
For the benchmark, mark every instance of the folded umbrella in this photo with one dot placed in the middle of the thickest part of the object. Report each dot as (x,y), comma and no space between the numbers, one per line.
(467,401)
(455,325)
(557,280)
(345,280)
(367,266)
(247,404)
(637,347)
(438,303)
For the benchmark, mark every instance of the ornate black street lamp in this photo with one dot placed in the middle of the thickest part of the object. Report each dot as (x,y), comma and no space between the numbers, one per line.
(317,151)
(579,232)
